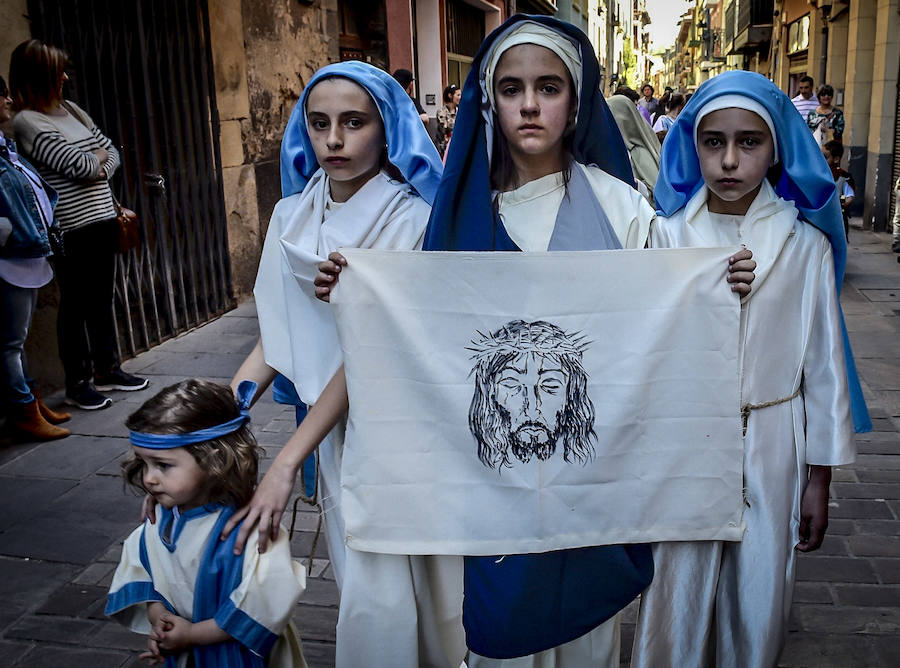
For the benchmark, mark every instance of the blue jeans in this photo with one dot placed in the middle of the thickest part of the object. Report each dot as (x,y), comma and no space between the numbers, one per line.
(16,310)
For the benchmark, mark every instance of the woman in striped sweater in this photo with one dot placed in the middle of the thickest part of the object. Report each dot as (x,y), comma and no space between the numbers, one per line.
(77,160)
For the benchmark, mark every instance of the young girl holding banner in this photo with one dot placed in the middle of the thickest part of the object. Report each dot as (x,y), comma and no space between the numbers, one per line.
(740,167)
(358,170)
(535,151)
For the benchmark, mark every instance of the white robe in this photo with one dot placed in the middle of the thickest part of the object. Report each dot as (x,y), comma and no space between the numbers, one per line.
(394,610)
(727,604)
(298,332)
(271,583)
(529,217)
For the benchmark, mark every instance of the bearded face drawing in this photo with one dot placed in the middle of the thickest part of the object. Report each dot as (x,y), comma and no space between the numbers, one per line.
(530,395)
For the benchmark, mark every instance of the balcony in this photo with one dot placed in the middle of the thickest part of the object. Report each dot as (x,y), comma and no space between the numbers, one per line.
(753,30)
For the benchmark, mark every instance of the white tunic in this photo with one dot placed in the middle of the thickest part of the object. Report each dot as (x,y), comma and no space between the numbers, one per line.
(529,217)
(395,610)
(271,583)
(298,331)
(727,604)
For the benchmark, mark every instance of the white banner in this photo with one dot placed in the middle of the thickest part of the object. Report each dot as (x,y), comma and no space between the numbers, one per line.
(504,403)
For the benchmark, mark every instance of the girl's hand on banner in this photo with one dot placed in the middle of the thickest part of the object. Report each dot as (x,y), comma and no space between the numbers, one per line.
(329,272)
(741,266)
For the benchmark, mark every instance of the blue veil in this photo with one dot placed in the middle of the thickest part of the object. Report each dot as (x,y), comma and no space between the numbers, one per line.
(410,149)
(805,180)
(462,217)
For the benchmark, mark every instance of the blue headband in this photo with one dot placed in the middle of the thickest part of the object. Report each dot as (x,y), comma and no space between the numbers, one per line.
(409,147)
(805,180)
(245,393)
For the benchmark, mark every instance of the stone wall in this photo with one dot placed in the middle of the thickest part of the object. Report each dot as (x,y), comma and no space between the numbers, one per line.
(14,28)
(263,55)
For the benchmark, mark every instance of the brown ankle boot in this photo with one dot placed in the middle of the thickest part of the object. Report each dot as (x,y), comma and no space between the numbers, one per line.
(50,415)
(28,423)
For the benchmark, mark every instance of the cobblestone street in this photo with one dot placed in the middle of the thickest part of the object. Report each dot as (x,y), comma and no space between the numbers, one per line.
(64,512)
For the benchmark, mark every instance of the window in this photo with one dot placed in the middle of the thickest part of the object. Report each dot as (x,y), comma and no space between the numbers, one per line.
(798,35)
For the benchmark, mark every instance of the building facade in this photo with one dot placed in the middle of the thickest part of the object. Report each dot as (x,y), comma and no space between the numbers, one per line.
(854,47)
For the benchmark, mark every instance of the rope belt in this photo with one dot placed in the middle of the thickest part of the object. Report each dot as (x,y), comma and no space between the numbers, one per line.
(747,408)
(314,502)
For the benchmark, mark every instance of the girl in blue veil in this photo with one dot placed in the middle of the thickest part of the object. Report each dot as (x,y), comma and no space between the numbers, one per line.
(343,193)
(740,167)
(358,170)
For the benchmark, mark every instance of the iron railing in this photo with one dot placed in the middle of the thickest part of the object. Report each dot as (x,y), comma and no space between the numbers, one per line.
(143,70)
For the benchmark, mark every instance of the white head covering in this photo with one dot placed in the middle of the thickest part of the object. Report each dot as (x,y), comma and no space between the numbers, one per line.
(735,101)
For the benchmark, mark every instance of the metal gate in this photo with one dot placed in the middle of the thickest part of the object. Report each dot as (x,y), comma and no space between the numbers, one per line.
(143,71)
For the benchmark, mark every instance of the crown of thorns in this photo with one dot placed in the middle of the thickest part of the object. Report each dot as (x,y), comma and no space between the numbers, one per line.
(528,339)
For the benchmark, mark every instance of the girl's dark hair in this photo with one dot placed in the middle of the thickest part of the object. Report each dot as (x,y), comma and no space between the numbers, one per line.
(3,89)
(835,148)
(231,461)
(675,101)
(630,93)
(774,173)
(36,72)
(449,91)
(826,89)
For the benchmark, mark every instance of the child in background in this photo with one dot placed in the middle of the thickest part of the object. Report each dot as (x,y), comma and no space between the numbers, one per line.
(177,580)
(843,181)
(740,168)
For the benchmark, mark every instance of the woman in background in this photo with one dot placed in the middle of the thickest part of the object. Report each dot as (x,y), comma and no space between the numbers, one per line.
(446,116)
(77,160)
(26,221)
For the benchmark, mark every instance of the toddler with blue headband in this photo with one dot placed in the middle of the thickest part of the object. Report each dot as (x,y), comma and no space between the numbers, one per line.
(739,168)
(178,581)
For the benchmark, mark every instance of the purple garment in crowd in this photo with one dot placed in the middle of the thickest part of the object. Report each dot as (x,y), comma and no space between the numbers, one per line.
(645,114)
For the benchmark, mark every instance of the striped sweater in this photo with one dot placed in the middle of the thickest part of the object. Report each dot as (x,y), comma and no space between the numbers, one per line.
(60,148)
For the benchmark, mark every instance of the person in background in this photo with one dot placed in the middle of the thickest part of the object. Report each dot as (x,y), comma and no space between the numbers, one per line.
(641,142)
(661,107)
(632,95)
(26,221)
(663,123)
(446,116)
(647,101)
(826,121)
(806,100)
(405,78)
(77,160)
(846,188)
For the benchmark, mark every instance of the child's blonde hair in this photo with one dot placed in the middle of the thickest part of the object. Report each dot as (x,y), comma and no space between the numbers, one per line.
(231,461)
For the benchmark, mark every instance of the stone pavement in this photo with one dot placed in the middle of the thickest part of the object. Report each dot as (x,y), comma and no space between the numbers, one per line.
(64,513)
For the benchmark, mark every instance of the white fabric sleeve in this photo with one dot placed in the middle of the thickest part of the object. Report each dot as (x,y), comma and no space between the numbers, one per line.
(829,429)
(271,585)
(131,589)
(406,230)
